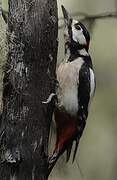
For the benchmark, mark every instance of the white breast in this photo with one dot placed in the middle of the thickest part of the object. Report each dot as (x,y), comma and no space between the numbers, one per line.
(68,77)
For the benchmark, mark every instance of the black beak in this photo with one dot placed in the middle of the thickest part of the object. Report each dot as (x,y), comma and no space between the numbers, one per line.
(66,15)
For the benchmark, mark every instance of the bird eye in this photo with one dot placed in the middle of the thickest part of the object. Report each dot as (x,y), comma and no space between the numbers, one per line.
(77,26)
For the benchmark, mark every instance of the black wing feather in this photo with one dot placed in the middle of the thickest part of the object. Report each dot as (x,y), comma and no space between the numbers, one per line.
(83,97)
(83,101)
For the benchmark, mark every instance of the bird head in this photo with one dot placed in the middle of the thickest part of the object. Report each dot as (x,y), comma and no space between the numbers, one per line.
(75,32)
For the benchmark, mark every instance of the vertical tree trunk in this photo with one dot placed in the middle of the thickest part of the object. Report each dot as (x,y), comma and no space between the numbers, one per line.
(32,40)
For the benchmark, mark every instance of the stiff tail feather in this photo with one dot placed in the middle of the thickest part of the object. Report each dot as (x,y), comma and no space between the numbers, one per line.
(69,152)
(69,149)
(75,151)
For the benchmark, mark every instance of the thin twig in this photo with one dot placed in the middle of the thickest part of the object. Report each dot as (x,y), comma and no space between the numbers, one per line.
(91,17)
(5,16)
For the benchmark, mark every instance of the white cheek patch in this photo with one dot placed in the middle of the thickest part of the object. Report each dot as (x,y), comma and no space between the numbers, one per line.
(78,35)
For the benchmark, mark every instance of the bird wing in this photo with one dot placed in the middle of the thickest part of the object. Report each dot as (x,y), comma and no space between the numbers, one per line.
(84,88)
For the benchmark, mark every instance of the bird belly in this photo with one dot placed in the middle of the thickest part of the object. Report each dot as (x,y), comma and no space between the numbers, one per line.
(70,101)
(68,96)
(68,78)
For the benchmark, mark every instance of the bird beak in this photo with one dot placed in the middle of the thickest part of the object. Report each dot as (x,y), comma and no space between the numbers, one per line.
(67,17)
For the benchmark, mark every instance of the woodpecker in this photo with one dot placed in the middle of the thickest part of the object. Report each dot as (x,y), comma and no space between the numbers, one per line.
(76,87)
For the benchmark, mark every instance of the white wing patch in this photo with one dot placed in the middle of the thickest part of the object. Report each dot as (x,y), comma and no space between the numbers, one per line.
(92,82)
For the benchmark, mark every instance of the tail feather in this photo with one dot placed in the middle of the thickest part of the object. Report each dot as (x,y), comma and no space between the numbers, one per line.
(75,151)
(69,152)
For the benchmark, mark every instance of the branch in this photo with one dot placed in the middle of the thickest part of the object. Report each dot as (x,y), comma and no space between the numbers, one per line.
(91,17)
(5,15)
(84,16)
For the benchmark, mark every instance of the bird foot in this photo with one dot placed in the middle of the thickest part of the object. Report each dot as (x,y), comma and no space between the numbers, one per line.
(52,161)
(51,96)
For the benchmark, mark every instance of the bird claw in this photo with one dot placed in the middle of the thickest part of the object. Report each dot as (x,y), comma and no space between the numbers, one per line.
(49,98)
(53,158)
(52,161)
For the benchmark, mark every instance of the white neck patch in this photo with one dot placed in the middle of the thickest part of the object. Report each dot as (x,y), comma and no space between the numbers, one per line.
(67,55)
(83,52)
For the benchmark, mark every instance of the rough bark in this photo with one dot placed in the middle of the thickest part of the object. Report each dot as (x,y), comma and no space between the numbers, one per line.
(25,122)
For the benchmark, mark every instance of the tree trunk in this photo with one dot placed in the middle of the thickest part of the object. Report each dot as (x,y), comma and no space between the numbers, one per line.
(25,122)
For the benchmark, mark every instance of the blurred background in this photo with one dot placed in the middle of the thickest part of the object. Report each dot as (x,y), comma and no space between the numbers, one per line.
(97,154)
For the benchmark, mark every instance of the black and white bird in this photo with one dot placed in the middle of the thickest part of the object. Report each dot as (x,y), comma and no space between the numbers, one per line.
(76,88)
